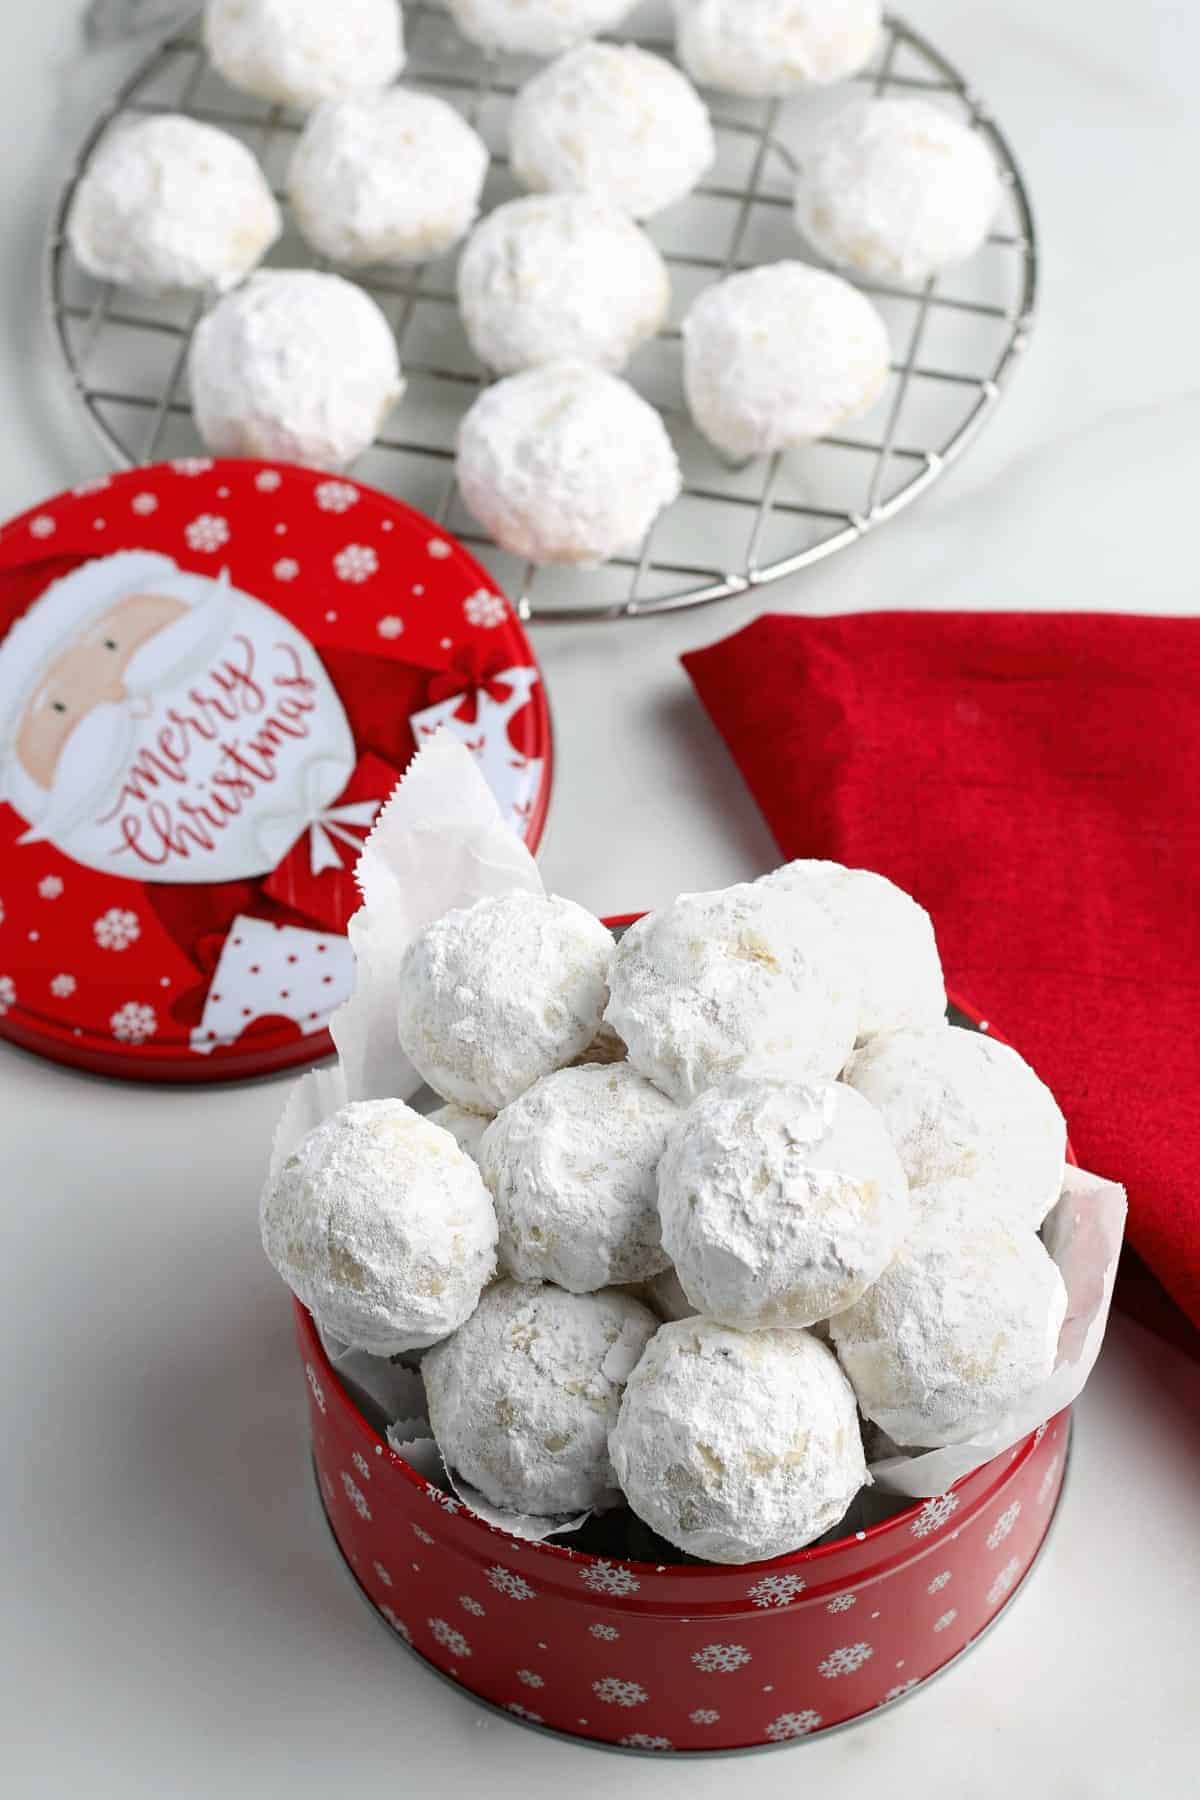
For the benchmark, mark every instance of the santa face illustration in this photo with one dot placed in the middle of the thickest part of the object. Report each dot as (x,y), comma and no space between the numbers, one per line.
(166,727)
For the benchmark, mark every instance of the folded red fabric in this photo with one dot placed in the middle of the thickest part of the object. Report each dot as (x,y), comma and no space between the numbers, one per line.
(1034,780)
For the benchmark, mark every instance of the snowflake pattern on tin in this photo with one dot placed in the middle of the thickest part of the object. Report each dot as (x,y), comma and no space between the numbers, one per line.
(117,928)
(1003,1581)
(947,1619)
(286,569)
(904,1687)
(207,533)
(382,1574)
(448,1502)
(841,1603)
(938,1582)
(355,1495)
(792,1725)
(355,563)
(50,887)
(610,1578)
(530,1678)
(522,1712)
(934,1514)
(776,1590)
(8,993)
(63,986)
(43,526)
(335,496)
(845,1660)
(1003,1525)
(192,465)
(318,1392)
(361,1464)
(607,1633)
(721,1659)
(469,1604)
(1047,1481)
(390,627)
(616,1692)
(439,549)
(1040,1433)
(144,504)
(448,1637)
(510,1584)
(420,1532)
(397,1624)
(641,1740)
(133,1023)
(485,609)
(705,1715)
(267,481)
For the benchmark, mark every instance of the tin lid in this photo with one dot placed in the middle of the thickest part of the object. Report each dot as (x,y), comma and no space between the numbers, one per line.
(212,673)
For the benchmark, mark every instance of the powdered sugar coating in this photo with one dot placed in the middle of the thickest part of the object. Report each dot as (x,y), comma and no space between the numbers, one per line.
(535,27)
(572,1168)
(961,1327)
(774,47)
(297,52)
(386,178)
(168,203)
(897,188)
(522,1398)
(466,1128)
(560,275)
(494,996)
(737,1446)
(614,120)
(716,980)
(959,1104)
(294,366)
(887,936)
(382,1227)
(779,355)
(781,1202)
(565,464)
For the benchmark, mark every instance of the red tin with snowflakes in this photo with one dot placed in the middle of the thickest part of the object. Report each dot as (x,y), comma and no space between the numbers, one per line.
(212,674)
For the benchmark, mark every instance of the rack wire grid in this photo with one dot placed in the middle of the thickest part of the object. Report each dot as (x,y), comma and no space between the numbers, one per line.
(956,339)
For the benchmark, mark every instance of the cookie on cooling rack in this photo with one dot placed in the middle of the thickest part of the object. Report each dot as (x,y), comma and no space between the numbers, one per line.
(535,27)
(764,48)
(296,52)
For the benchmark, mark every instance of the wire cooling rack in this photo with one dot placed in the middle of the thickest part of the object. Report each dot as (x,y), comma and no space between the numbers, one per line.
(955,339)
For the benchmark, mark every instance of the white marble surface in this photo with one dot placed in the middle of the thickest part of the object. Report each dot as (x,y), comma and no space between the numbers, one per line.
(173,1622)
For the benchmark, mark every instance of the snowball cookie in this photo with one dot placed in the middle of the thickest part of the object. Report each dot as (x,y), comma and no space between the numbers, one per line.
(887,936)
(957,1103)
(962,1326)
(734,1445)
(169,203)
(774,47)
(716,980)
(386,178)
(466,1128)
(781,1201)
(383,1228)
(294,367)
(571,1166)
(897,188)
(613,120)
(522,1398)
(560,275)
(535,27)
(565,464)
(297,52)
(779,355)
(494,996)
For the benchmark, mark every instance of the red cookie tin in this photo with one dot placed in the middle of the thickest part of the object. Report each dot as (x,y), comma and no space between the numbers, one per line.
(212,674)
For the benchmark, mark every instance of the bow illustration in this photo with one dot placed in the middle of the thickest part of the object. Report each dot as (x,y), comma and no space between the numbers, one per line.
(470,674)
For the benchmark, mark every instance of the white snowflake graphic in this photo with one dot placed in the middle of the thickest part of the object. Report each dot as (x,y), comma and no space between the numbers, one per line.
(207,532)
(776,1590)
(485,608)
(934,1514)
(841,1603)
(448,1502)
(361,1464)
(469,1604)
(721,1659)
(439,549)
(1003,1525)
(192,465)
(95,485)
(792,1725)
(1040,1433)
(845,1660)
(43,526)
(608,1633)
(1047,1481)
(318,1392)
(8,993)
(420,1532)
(116,929)
(522,1712)
(51,886)
(383,1574)
(530,1678)
(335,496)
(904,1687)
(609,1578)
(938,1582)
(144,504)
(63,986)
(1003,1581)
(390,626)
(133,1023)
(451,1640)
(641,1740)
(704,1715)
(355,1495)
(357,562)
(286,569)
(268,481)
(615,1692)
(397,1624)
(509,1583)
(327,1488)
(947,1619)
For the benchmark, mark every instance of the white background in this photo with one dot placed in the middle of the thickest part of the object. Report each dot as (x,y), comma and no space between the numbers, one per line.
(172,1620)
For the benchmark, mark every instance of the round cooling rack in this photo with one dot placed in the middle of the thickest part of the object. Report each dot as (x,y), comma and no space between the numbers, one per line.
(955,339)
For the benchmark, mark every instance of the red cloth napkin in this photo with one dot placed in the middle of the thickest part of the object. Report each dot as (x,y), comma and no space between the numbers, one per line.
(1034,780)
